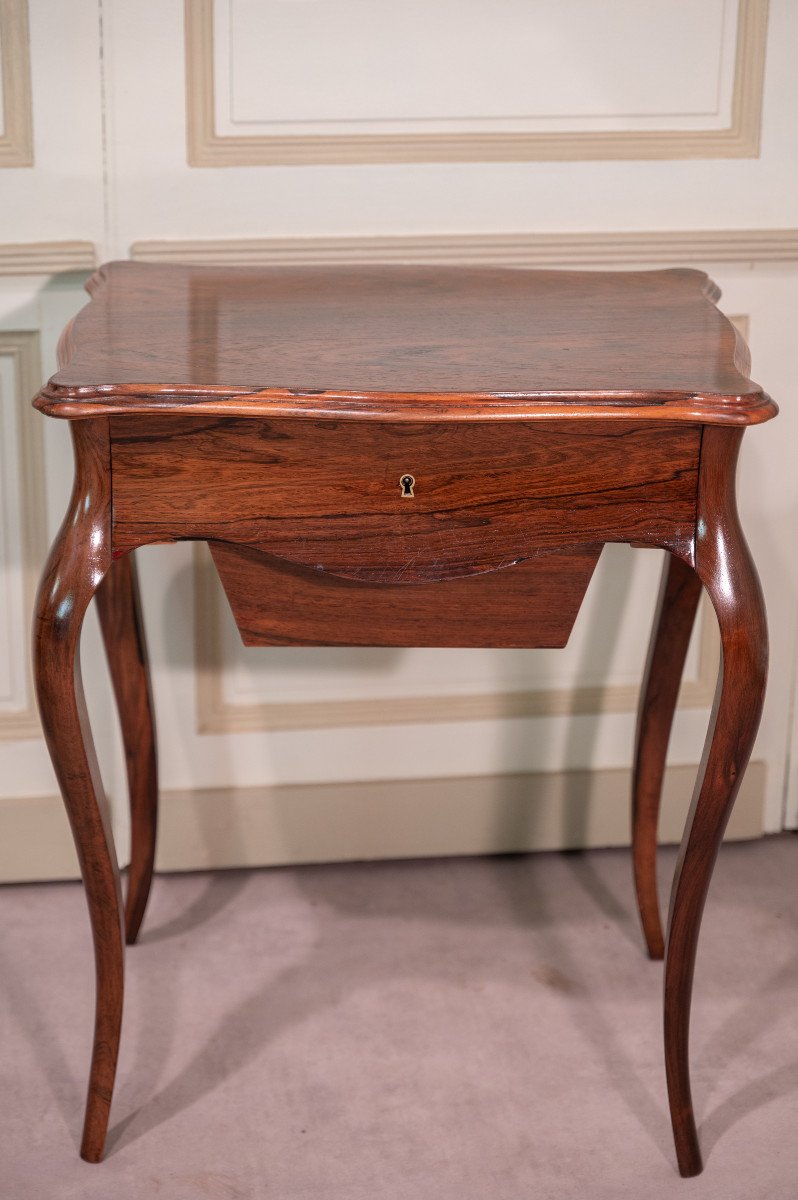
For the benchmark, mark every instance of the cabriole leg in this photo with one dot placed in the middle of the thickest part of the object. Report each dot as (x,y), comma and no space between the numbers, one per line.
(119,608)
(77,563)
(725,567)
(679,593)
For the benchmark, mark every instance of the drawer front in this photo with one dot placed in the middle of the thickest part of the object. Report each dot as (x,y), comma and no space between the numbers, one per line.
(402,503)
(532,604)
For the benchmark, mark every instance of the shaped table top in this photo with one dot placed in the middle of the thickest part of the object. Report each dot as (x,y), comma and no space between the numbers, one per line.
(403,343)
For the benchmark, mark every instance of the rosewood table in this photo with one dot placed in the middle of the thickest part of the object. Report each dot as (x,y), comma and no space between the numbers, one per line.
(402,456)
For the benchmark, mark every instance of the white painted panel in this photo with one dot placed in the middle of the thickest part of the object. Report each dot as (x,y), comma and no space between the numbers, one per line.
(360,66)
(2,96)
(30,306)
(153,193)
(61,196)
(13,617)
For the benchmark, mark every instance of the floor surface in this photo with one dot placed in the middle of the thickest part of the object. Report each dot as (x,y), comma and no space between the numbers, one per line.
(485,1029)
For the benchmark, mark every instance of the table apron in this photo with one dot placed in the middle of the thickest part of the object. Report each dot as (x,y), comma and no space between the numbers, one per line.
(329,495)
(442,534)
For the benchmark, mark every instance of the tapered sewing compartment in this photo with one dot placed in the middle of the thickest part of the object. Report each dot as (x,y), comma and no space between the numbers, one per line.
(393,528)
(533,603)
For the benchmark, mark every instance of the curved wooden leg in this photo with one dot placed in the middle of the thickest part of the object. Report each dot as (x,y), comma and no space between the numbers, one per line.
(726,570)
(679,594)
(119,609)
(77,563)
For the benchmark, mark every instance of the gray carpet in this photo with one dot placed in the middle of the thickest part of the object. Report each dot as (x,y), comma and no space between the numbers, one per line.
(472,1028)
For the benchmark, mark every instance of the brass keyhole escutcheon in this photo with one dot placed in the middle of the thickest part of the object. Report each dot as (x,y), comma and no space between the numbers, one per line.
(406,484)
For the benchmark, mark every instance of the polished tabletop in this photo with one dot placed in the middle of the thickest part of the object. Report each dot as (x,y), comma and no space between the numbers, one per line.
(400,342)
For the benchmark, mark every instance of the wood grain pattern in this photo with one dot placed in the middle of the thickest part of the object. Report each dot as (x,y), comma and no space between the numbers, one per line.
(119,610)
(724,565)
(327,495)
(534,603)
(78,561)
(405,343)
(679,594)
(273,414)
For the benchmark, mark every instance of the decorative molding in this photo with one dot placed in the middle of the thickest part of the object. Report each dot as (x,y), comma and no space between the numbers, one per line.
(418,818)
(672,247)
(22,347)
(217,715)
(16,139)
(206,148)
(46,258)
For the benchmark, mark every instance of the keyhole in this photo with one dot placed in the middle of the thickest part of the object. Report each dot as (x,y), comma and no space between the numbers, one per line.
(407,483)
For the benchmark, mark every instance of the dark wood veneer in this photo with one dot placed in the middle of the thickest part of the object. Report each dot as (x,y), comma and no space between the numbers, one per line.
(533,603)
(404,343)
(119,610)
(273,413)
(679,594)
(724,566)
(78,561)
(328,496)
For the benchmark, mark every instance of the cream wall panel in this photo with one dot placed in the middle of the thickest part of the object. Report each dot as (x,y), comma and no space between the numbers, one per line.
(155,194)
(22,525)
(15,696)
(60,196)
(34,832)
(16,118)
(508,66)
(24,768)
(506,81)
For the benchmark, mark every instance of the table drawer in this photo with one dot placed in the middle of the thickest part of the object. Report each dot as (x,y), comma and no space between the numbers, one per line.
(328,494)
(533,603)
